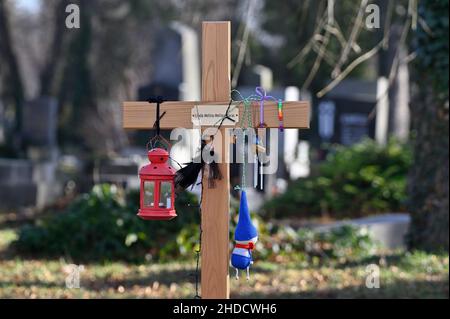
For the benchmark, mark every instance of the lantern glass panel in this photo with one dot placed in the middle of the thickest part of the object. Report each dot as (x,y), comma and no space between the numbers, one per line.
(165,197)
(149,194)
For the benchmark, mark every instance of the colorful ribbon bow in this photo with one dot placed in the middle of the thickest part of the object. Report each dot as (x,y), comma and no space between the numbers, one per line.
(263,97)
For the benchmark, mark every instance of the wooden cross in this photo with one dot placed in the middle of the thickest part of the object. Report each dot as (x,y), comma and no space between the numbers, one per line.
(216,57)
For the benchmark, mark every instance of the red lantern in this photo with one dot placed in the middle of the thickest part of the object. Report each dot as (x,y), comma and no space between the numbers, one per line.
(157,187)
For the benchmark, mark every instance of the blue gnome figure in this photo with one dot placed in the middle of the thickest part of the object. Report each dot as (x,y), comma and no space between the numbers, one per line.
(245,236)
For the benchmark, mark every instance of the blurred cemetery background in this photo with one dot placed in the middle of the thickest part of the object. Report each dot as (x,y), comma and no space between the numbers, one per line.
(366,186)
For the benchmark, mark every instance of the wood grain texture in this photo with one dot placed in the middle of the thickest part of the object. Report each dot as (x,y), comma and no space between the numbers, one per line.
(141,115)
(216,57)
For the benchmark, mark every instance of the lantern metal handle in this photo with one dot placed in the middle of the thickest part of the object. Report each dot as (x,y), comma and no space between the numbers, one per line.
(158,138)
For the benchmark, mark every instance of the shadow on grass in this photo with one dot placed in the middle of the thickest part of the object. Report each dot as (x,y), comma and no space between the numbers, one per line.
(100,284)
(399,289)
(375,259)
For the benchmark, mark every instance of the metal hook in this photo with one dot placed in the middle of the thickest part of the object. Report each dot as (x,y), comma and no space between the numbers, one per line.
(158,100)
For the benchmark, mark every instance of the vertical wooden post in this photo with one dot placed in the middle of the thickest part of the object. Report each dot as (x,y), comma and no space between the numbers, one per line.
(216,55)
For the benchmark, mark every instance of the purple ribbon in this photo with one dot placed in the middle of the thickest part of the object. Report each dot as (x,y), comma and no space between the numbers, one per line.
(264,97)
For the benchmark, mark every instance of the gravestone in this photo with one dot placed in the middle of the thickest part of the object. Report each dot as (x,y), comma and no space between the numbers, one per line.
(166,59)
(353,128)
(175,58)
(347,114)
(32,182)
(27,183)
(122,171)
(16,184)
(40,120)
(190,62)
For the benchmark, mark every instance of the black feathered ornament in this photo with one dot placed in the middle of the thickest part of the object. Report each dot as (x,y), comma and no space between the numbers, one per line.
(188,175)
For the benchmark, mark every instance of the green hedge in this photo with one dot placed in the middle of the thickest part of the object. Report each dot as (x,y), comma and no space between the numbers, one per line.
(353,181)
(102,225)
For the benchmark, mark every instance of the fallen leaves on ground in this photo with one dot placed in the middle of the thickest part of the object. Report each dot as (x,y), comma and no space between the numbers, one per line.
(402,275)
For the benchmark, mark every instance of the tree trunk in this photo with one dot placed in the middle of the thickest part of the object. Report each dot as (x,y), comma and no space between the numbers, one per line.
(13,92)
(49,71)
(428,189)
(429,179)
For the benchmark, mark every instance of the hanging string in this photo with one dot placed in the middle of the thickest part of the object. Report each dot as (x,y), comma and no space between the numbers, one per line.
(225,117)
(246,124)
(157,138)
(245,127)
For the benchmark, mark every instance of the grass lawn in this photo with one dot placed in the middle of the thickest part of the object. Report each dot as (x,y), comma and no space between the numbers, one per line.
(402,275)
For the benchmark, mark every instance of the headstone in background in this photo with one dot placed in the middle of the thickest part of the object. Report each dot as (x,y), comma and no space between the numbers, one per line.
(364,109)
(382,111)
(27,183)
(176,65)
(400,124)
(166,77)
(353,128)
(348,113)
(39,128)
(122,171)
(326,117)
(33,182)
(399,88)
(190,86)
(40,121)
(17,188)
(166,65)
(189,89)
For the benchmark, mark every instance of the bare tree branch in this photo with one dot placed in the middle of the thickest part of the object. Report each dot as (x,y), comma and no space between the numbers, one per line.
(319,58)
(243,46)
(412,11)
(366,56)
(395,63)
(353,37)
(307,48)
(336,31)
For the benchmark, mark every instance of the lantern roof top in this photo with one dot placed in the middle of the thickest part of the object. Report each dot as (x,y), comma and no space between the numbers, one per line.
(158,166)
